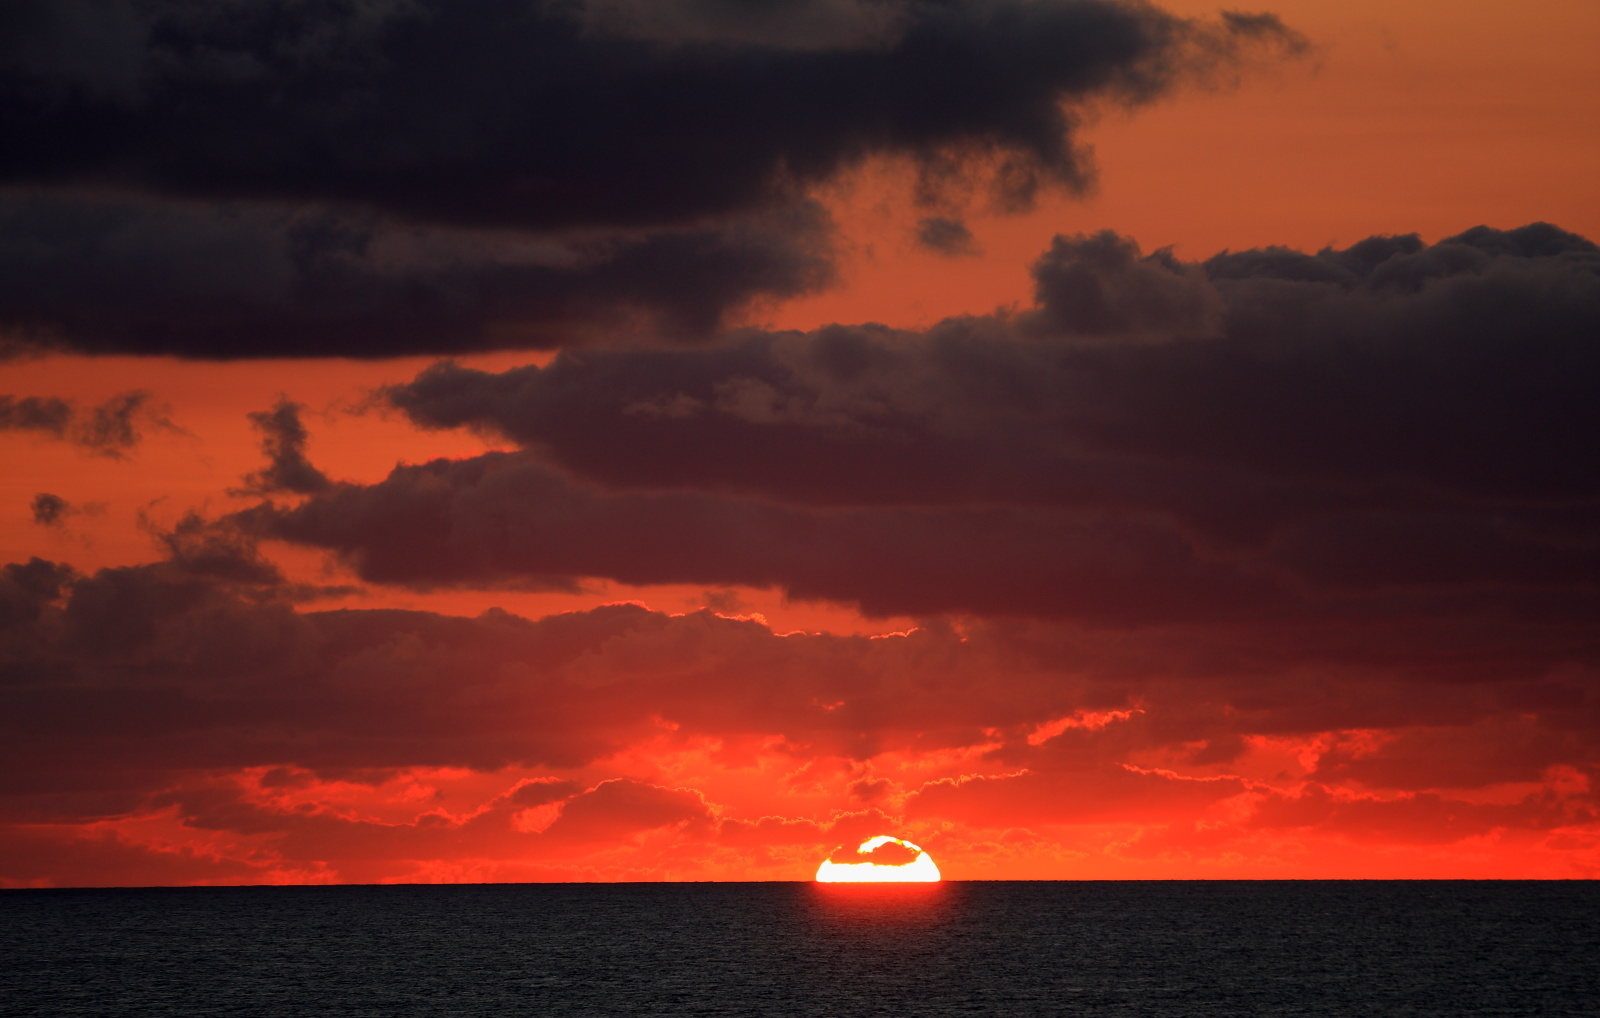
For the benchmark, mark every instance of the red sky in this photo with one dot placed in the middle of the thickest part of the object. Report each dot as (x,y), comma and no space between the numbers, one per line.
(1082,562)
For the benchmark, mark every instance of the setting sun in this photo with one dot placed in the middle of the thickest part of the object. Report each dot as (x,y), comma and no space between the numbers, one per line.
(879,859)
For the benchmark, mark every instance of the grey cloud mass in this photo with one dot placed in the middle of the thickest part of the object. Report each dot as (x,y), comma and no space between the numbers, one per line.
(1266,435)
(113,428)
(383,178)
(232,281)
(128,688)
(503,112)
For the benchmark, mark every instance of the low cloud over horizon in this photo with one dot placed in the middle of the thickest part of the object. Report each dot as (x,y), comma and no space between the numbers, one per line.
(1281,558)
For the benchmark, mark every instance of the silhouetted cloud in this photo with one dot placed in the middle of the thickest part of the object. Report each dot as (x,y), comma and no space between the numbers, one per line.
(48,414)
(787,24)
(1101,286)
(946,236)
(393,178)
(511,112)
(502,520)
(1456,365)
(283,440)
(1153,440)
(50,510)
(113,276)
(219,552)
(111,429)
(28,588)
(889,854)
(617,808)
(190,690)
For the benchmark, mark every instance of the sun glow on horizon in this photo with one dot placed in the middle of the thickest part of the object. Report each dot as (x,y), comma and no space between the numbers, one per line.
(920,870)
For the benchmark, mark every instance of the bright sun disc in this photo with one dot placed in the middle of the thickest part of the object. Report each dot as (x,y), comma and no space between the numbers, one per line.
(920,870)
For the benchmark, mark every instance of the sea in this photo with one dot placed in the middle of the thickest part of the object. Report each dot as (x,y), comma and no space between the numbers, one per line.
(1158,948)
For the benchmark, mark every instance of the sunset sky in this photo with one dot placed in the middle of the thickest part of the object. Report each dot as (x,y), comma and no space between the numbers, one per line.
(505,440)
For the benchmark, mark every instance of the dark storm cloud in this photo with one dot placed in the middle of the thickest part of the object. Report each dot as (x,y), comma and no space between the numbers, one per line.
(28,588)
(224,281)
(515,112)
(119,681)
(1106,792)
(40,856)
(500,519)
(1491,750)
(619,807)
(1152,436)
(381,178)
(1425,818)
(111,429)
(283,440)
(786,24)
(144,682)
(50,415)
(201,549)
(600,818)
(1463,365)
(1402,787)
(946,236)
(1101,286)
(50,510)
(607,813)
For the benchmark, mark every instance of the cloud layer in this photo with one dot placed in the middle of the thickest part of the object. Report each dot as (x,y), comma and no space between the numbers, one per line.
(506,112)
(102,275)
(1278,558)
(191,696)
(387,178)
(1267,436)
(111,429)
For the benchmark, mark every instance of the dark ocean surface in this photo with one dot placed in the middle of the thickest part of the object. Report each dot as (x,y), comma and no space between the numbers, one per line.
(1005,948)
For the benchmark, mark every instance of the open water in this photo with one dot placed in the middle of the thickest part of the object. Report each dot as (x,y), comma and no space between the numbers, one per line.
(1337,948)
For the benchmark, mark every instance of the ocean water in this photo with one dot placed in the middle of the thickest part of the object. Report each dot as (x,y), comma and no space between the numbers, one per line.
(981,948)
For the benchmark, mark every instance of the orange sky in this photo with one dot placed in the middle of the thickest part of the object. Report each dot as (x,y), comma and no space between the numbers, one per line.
(1008,749)
(1409,117)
